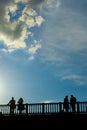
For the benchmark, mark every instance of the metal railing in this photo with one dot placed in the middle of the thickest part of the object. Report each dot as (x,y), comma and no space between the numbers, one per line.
(44,108)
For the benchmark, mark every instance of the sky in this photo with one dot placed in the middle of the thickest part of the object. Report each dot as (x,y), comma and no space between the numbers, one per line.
(43,49)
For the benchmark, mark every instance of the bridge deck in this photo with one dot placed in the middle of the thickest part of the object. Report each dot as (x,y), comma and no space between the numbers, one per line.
(62,120)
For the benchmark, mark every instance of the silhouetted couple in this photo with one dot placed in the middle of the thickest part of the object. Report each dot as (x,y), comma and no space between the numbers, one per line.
(13,105)
(69,104)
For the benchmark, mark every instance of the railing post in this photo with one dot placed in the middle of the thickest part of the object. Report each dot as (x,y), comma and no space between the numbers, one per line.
(27,109)
(78,110)
(42,108)
(60,107)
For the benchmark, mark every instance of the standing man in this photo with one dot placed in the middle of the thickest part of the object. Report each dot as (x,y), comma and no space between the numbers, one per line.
(12,105)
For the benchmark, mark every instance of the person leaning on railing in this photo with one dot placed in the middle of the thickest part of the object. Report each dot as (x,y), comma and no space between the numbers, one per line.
(12,105)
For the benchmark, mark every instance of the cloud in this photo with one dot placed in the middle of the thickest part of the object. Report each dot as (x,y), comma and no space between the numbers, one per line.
(64,43)
(31,58)
(16,19)
(24,1)
(39,20)
(3,50)
(33,49)
(14,26)
(64,34)
(78,79)
(49,101)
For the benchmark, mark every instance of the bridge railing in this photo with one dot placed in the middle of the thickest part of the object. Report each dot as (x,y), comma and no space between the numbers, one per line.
(44,108)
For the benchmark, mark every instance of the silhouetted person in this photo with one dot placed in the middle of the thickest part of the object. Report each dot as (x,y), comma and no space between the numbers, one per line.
(12,105)
(66,104)
(20,105)
(72,103)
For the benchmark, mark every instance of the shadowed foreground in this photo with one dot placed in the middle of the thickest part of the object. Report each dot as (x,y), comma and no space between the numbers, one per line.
(61,120)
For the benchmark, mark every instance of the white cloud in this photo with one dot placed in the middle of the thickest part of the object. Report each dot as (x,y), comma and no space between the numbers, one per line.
(3,50)
(39,20)
(29,11)
(72,76)
(13,8)
(13,34)
(34,48)
(53,3)
(49,101)
(78,79)
(24,1)
(31,58)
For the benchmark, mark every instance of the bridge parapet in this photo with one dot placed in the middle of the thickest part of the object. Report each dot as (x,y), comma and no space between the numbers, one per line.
(44,108)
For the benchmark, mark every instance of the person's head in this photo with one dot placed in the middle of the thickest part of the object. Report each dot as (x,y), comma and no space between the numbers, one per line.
(12,98)
(71,95)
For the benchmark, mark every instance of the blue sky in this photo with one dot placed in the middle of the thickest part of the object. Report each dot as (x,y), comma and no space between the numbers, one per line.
(43,49)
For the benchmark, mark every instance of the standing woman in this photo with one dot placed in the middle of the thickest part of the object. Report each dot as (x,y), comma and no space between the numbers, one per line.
(66,104)
(73,103)
(20,105)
